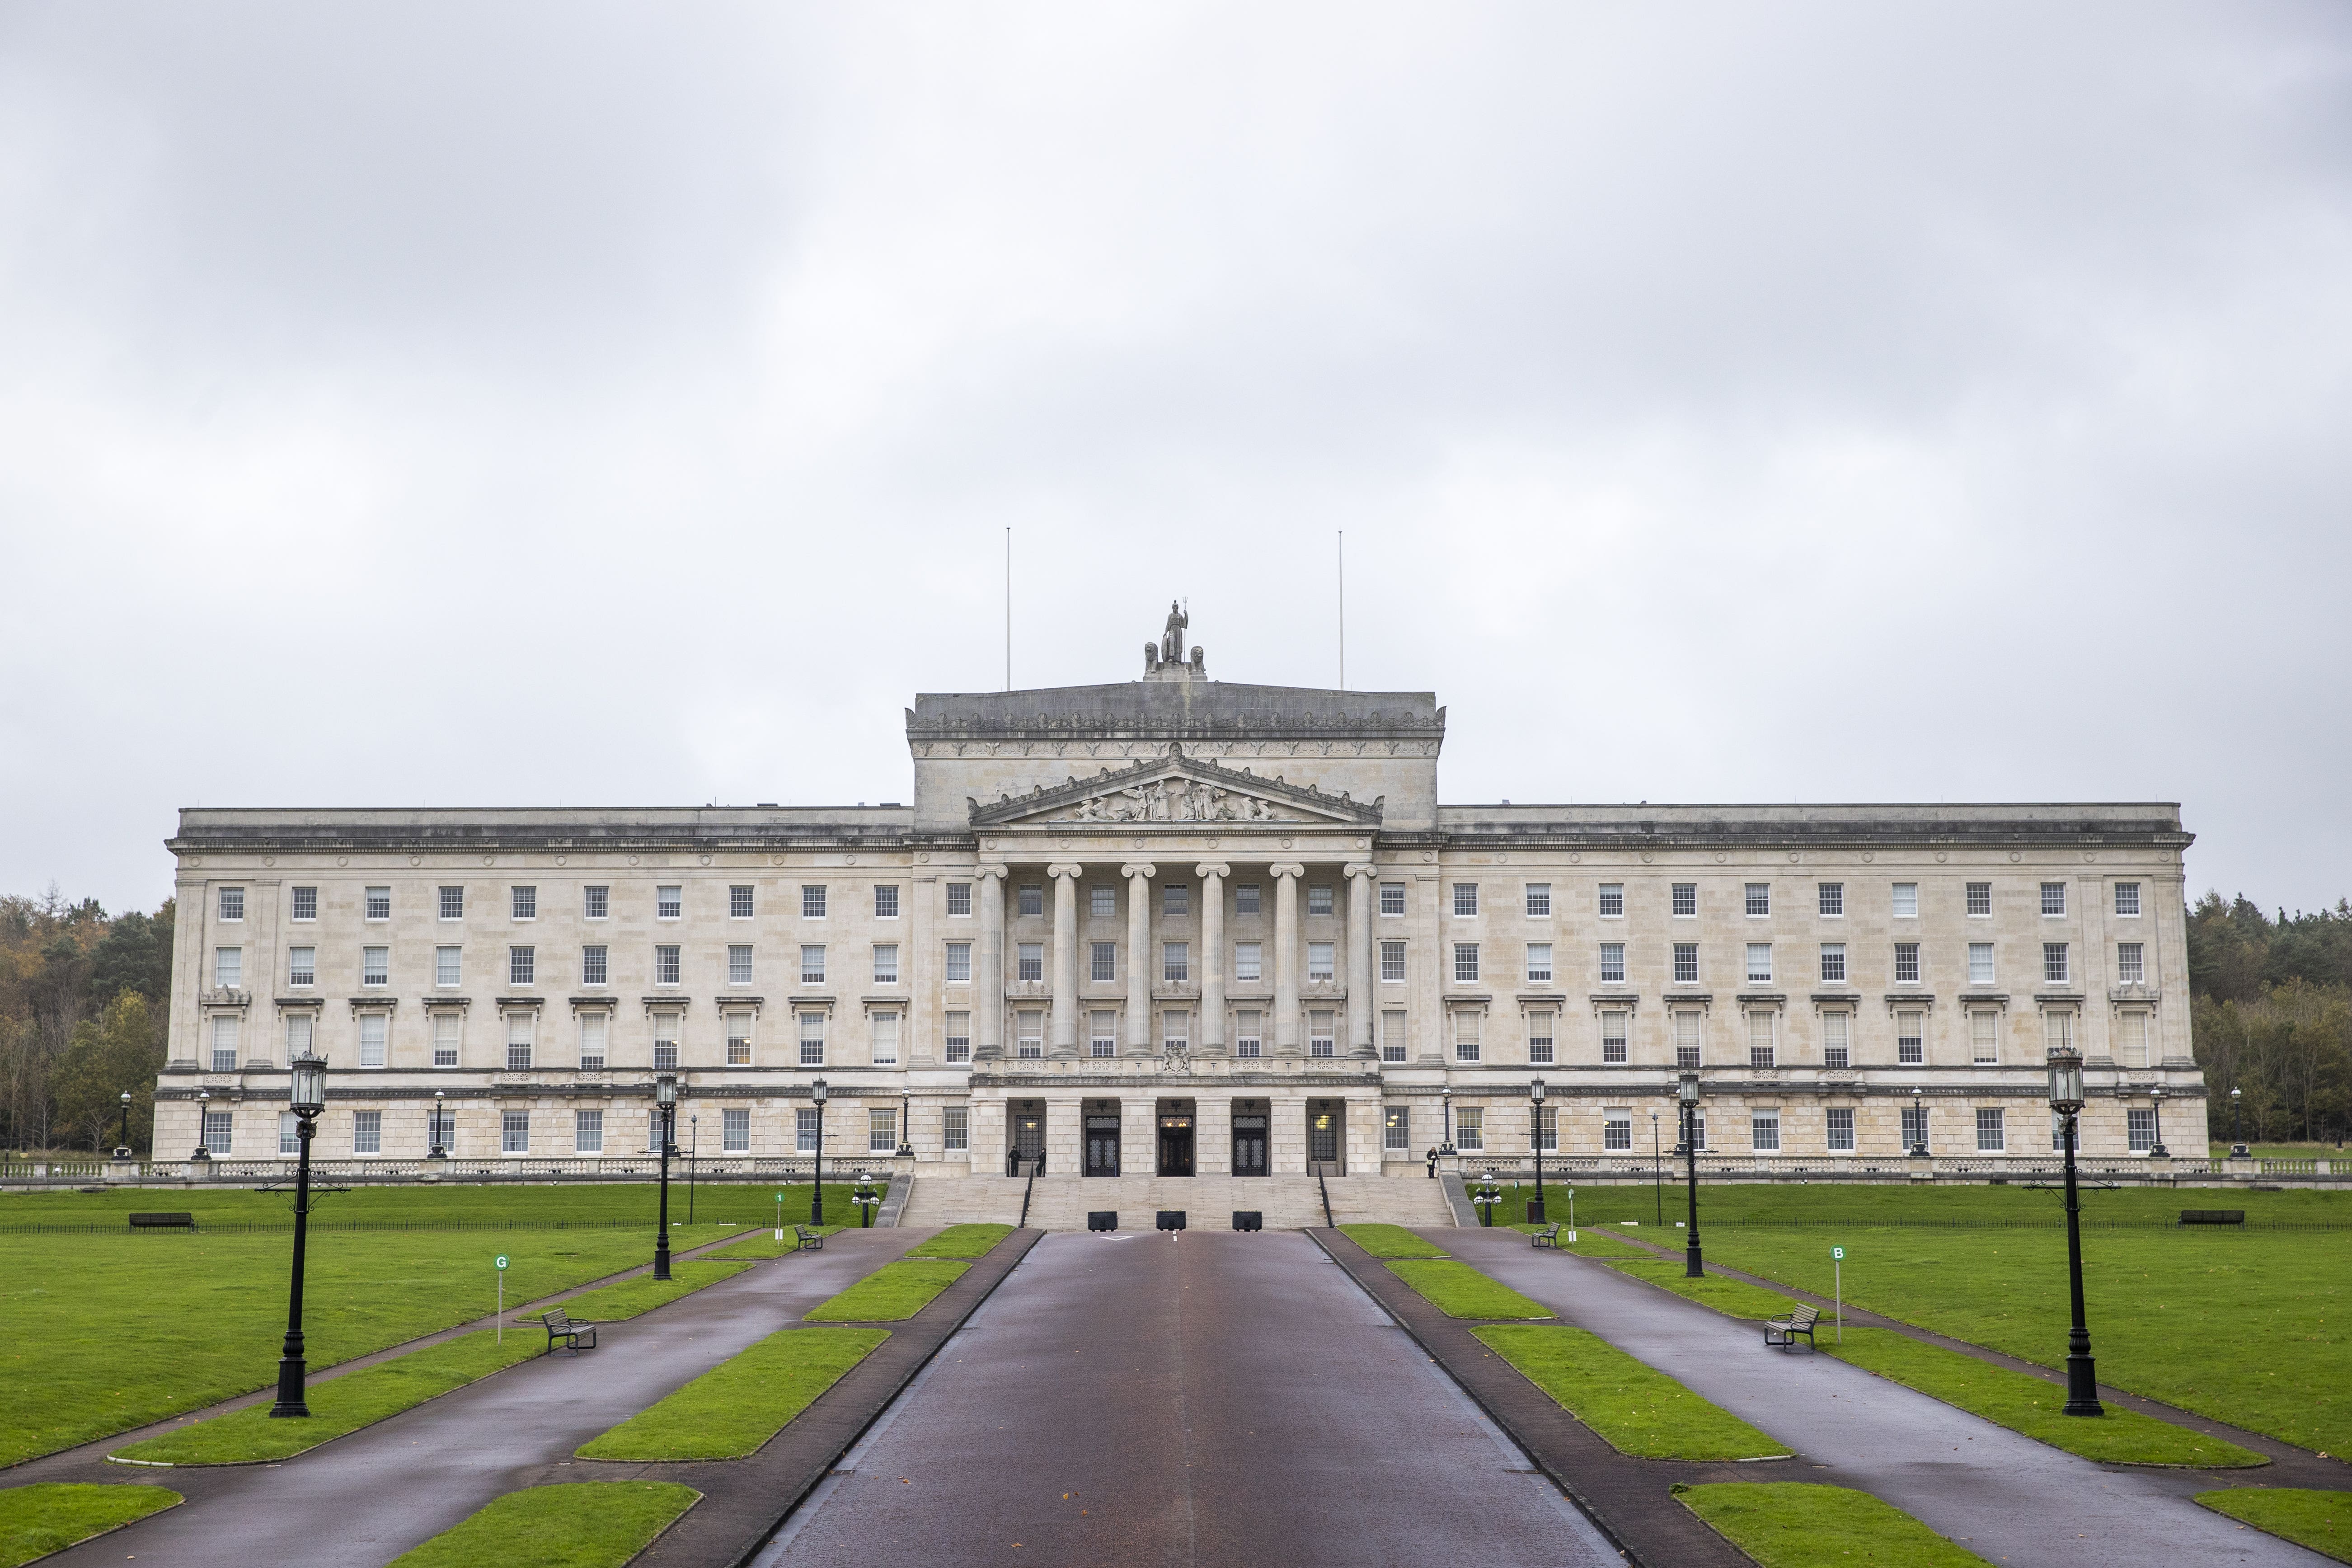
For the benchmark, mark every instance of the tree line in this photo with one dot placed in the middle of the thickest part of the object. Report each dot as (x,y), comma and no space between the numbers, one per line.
(2272,1014)
(84,997)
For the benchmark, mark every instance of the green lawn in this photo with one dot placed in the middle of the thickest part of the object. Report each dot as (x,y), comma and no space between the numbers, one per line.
(764,1244)
(1390,1241)
(2027,1404)
(49,1517)
(632,1298)
(1637,1409)
(731,1411)
(1459,1290)
(893,1291)
(1834,1206)
(1792,1524)
(2321,1520)
(578,1524)
(736,1204)
(1732,1298)
(961,1241)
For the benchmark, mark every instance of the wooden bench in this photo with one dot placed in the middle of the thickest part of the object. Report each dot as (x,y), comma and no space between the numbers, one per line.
(807,1240)
(575,1337)
(1547,1237)
(163,1222)
(2188,1216)
(1784,1331)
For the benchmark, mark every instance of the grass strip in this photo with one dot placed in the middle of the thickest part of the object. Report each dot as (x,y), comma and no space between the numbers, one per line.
(633,1297)
(1796,1524)
(1390,1241)
(1637,1409)
(731,1411)
(2026,1403)
(576,1524)
(2321,1520)
(764,1244)
(341,1405)
(961,1241)
(50,1516)
(1732,1298)
(893,1291)
(1589,1243)
(1459,1290)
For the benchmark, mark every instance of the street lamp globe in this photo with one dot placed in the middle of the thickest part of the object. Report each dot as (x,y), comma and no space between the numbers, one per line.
(306,1088)
(817,1090)
(2065,1079)
(666,1088)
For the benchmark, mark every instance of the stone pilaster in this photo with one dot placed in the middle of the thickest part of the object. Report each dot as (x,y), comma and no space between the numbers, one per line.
(1063,1027)
(987,967)
(1285,957)
(1209,1040)
(1138,875)
(1363,897)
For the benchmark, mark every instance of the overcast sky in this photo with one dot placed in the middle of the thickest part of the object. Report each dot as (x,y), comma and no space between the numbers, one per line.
(624,405)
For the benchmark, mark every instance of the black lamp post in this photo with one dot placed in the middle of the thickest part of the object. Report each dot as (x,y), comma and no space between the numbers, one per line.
(2157,1150)
(1535,1135)
(1445,1100)
(204,1097)
(440,1150)
(1919,1124)
(1693,1267)
(816,1165)
(905,1127)
(306,1097)
(2066,1100)
(2238,1149)
(865,1197)
(122,1139)
(1657,1172)
(666,1109)
(693,1158)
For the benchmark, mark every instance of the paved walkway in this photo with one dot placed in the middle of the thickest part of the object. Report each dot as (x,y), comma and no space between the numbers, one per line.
(1182,1398)
(362,1500)
(2005,1496)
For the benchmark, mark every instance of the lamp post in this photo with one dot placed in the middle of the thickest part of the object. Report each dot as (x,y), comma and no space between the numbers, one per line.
(205,1098)
(1535,1134)
(905,1127)
(1694,1268)
(2066,1100)
(865,1197)
(1919,1124)
(2157,1150)
(122,1139)
(816,1165)
(1445,1101)
(440,1148)
(665,1107)
(693,1158)
(2238,1149)
(1657,1173)
(306,1097)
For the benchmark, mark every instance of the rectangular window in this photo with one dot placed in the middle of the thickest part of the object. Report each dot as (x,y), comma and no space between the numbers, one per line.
(514,1131)
(1102,1038)
(1984,1036)
(1981,964)
(665,1041)
(523,903)
(813,902)
(305,904)
(301,1028)
(1175,899)
(445,1040)
(1539,901)
(1465,961)
(1175,962)
(2139,1129)
(1392,1031)
(738,963)
(881,1128)
(1391,961)
(740,900)
(596,901)
(2131,967)
(1465,1036)
(216,1132)
(1832,895)
(1396,1130)
(738,1039)
(1760,1040)
(519,1042)
(1245,898)
(808,1129)
(1612,963)
(1914,1127)
(955,1129)
(886,900)
(1907,963)
(1613,900)
(1686,963)
(595,965)
(1686,1038)
(376,966)
(1539,1036)
(959,900)
(1759,899)
(1832,963)
(1546,1128)
(1616,1131)
(379,903)
(1466,898)
(1102,901)
(302,966)
(886,1039)
(1392,898)
(522,966)
(886,962)
(1320,1040)
(1029,960)
(448,965)
(1981,898)
(228,967)
(668,970)
(367,1132)
(232,903)
(596,1034)
(1685,903)
(1910,1047)
(1249,1037)
(1759,963)
(2054,969)
(1176,1030)
(812,1040)
(587,1132)
(1764,1131)
(1319,898)
(225,1032)
(1906,901)
(1319,960)
(958,1039)
(1248,962)
(1539,962)
(1029,1035)
(289,1133)
(2126,898)
(2058,1030)
(1840,1128)
(1837,1047)
(1989,1139)
(1469,1128)
(1102,962)
(2053,898)
(1612,1038)
(670,902)
(959,963)
(812,963)
(372,1039)
(2133,1051)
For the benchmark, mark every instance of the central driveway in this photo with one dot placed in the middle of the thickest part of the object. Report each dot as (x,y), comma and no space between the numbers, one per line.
(1180,1399)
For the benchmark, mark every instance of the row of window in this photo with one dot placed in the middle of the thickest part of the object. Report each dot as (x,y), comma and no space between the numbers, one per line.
(2131,962)
(1991,1128)
(596,901)
(588,1130)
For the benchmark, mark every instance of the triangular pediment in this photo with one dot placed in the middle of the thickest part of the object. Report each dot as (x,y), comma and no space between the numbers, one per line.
(1175,790)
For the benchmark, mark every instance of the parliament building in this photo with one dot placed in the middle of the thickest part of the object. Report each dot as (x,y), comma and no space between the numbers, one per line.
(1183,928)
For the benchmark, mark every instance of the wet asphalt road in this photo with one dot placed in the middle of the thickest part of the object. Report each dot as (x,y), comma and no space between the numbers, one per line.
(1183,1399)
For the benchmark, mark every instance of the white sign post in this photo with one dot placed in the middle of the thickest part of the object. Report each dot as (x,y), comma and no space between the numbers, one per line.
(780,1217)
(500,1337)
(1837,1286)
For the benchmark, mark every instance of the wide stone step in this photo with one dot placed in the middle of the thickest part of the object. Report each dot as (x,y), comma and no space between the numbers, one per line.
(1285,1202)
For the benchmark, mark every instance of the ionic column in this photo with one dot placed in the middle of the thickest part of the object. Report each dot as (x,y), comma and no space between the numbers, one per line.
(1362,896)
(1063,1036)
(1211,1039)
(1138,875)
(1285,958)
(987,967)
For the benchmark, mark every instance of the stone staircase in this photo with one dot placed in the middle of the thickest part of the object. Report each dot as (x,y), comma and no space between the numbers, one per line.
(1287,1203)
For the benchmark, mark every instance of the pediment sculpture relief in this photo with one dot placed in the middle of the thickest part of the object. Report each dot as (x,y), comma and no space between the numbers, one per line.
(1175,800)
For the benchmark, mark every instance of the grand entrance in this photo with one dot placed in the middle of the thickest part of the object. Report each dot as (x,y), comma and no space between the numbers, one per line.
(1026,1121)
(1102,1143)
(1326,1145)
(1176,1145)
(1249,1142)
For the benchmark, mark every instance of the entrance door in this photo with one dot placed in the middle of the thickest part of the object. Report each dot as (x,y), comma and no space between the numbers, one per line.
(1028,1143)
(1102,1145)
(1323,1137)
(1249,1145)
(1175,1145)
